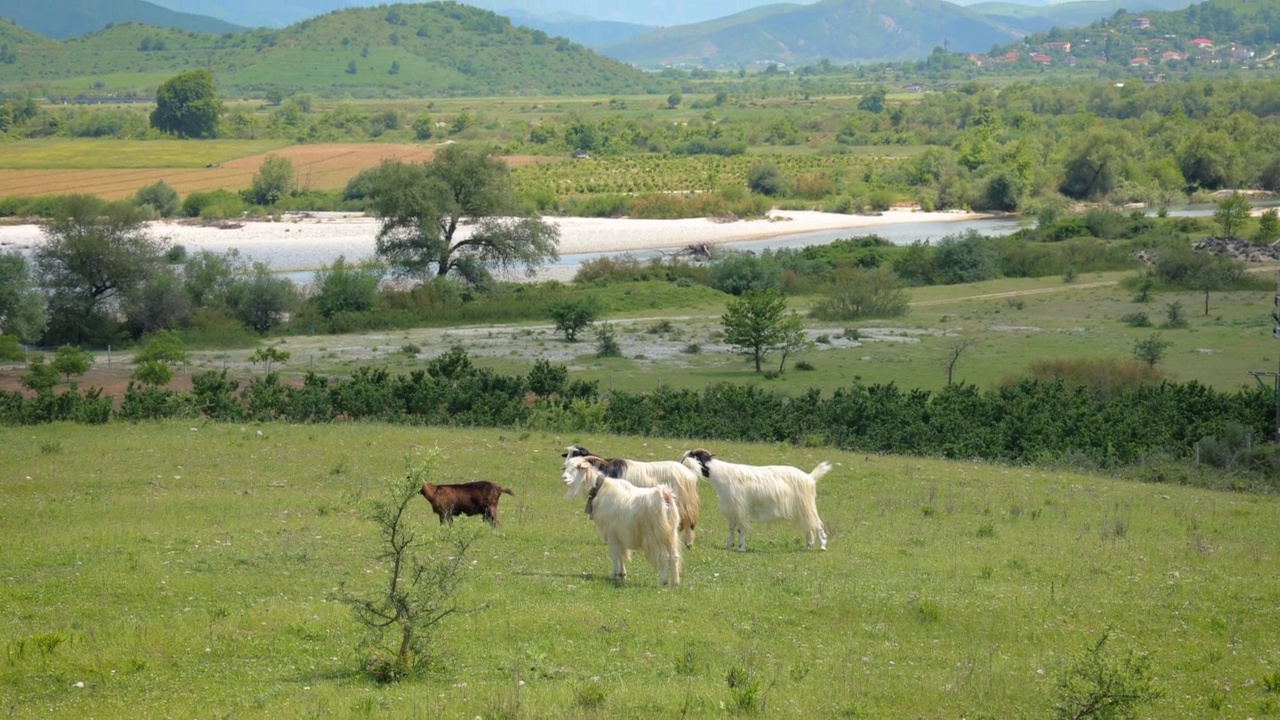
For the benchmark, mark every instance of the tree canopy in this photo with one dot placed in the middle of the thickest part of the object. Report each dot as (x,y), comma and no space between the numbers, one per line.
(757,323)
(187,106)
(92,260)
(423,206)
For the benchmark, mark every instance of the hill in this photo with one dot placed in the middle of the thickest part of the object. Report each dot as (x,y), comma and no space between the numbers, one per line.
(72,18)
(1032,18)
(653,13)
(1216,33)
(389,51)
(838,30)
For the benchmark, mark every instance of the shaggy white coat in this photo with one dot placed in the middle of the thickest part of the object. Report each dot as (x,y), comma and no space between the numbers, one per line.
(669,473)
(747,493)
(629,518)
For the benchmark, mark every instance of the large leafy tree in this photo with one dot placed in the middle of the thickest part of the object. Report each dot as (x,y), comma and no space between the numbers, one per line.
(187,106)
(92,259)
(423,208)
(21,305)
(1095,164)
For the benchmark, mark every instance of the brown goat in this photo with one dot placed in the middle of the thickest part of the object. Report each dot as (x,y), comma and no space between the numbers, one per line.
(473,498)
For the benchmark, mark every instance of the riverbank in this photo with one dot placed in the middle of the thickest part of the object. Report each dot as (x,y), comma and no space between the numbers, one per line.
(307,241)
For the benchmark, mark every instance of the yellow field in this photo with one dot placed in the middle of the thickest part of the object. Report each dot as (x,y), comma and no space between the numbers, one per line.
(317,167)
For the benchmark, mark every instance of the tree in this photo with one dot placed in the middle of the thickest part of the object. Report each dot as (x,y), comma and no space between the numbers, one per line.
(674,100)
(570,316)
(1095,164)
(163,347)
(261,299)
(1209,160)
(755,323)
(161,302)
(187,106)
(423,127)
(791,338)
(161,197)
(859,293)
(341,288)
(765,178)
(1268,227)
(954,352)
(70,360)
(421,208)
(873,101)
(273,181)
(22,310)
(739,272)
(93,257)
(1231,215)
(269,356)
(420,589)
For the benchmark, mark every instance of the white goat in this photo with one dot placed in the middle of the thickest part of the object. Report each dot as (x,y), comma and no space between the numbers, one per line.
(629,518)
(762,492)
(682,481)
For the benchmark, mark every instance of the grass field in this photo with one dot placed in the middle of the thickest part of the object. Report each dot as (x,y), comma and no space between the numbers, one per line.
(181,569)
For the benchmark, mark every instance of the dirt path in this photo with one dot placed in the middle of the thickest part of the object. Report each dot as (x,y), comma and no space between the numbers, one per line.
(1015,293)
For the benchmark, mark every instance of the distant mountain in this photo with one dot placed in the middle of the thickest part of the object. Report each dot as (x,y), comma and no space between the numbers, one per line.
(589,32)
(652,13)
(72,18)
(412,50)
(841,31)
(1041,18)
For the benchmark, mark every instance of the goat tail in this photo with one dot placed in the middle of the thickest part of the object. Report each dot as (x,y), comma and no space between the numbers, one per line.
(668,499)
(507,491)
(823,468)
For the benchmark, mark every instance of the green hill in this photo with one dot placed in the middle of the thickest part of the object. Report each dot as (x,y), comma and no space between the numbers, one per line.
(1040,18)
(838,30)
(72,18)
(395,51)
(1231,26)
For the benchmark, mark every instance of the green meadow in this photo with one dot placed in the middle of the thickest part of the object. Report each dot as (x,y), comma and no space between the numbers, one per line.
(673,337)
(107,153)
(191,569)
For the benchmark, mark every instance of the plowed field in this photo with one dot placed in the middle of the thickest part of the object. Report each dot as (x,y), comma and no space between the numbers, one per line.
(317,167)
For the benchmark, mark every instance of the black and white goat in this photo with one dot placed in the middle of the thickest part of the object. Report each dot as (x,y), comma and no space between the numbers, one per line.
(681,480)
(762,492)
(628,518)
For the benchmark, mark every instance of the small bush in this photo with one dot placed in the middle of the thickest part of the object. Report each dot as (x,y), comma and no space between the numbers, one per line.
(607,341)
(1138,319)
(804,365)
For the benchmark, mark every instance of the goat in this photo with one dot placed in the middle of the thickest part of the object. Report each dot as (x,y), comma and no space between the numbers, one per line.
(762,492)
(629,518)
(473,498)
(682,481)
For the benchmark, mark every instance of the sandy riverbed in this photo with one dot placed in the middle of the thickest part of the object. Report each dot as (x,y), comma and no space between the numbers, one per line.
(308,241)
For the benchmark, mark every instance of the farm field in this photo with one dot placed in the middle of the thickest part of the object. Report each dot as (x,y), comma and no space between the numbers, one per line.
(116,169)
(179,569)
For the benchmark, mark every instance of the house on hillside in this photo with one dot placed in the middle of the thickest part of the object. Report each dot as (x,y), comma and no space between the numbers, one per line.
(1040,58)
(1172,55)
(1202,44)
(1139,61)
(1139,23)
(1062,46)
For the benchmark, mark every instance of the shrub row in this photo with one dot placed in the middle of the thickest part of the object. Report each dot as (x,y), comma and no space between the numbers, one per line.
(1032,421)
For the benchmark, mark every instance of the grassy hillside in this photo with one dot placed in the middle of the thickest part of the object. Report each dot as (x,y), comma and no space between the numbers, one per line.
(71,18)
(1041,18)
(401,50)
(178,569)
(838,30)
(12,34)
